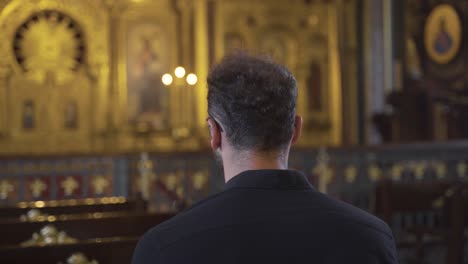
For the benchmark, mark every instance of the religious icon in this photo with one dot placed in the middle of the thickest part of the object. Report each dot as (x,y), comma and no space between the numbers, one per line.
(443,34)
(147,60)
(28,118)
(71,115)
(444,41)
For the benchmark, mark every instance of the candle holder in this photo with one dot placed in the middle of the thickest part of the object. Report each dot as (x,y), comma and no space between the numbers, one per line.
(184,116)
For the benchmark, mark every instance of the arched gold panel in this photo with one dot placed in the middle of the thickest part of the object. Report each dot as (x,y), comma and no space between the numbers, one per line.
(50,107)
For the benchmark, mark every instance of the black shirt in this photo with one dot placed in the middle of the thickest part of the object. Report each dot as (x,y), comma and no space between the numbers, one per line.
(268,216)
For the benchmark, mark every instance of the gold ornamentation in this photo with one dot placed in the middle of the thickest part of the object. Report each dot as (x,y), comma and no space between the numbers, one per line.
(180,191)
(328,175)
(375,173)
(351,174)
(443,34)
(145,168)
(50,97)
(37,187)
(462,168)
(69,185)
(100,183)
(49,42)
(324,172)
(419,170)
(396,172)
(49,235)
(325,175)
(5,189)
(200,179)
(440,170)
(79,258)
(171,181)
(33,215)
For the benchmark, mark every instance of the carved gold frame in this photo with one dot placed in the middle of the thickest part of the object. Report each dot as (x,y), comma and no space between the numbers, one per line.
(91,15)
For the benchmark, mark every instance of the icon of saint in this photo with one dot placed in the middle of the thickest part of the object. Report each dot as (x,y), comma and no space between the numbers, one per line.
(443,41)
(28,115)
(71,115)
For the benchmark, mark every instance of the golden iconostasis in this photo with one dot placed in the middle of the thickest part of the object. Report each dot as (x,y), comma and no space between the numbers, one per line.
(94,76)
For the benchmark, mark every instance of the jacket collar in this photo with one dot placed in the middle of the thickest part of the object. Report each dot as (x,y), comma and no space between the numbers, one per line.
(270,179)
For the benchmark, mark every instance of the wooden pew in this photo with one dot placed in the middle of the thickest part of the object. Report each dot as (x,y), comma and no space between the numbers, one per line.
(75,206)
(83,226)
(456,208)
(104,251)
(420,203)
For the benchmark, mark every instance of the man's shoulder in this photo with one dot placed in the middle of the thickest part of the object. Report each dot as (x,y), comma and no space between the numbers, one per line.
(337,211)
(199,215)
(219,210)
(304,214)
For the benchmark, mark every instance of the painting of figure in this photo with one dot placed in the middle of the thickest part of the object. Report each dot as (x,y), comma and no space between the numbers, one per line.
(146,63)
(443,34)
(28,117)
(71,115)
(443,42)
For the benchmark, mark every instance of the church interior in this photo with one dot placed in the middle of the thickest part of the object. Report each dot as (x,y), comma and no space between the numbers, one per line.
(115,140)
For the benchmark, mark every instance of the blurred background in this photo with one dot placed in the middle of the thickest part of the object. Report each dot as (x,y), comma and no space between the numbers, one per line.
(104,99)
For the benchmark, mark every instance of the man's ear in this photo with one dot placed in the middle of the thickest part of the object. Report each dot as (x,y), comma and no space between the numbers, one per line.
(297,129)
(215,134)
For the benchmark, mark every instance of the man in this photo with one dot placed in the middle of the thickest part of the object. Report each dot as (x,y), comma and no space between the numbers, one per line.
(266,214)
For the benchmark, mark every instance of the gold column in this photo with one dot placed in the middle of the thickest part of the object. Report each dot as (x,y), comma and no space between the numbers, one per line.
(201,61)
(348,48)
(335,76)
(3,100)
(113,65)
(185,93)
(388,45)
(219,29)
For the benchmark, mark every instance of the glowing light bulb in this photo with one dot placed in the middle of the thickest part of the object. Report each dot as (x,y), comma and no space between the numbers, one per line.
(192,79)
(179,72)
(167,79)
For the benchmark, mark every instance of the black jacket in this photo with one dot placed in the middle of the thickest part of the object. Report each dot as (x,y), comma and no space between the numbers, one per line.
(268,216)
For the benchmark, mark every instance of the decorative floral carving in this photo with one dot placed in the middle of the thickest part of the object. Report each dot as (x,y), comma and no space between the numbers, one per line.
(49,235)
(79,258)
(375,173)
(351,174)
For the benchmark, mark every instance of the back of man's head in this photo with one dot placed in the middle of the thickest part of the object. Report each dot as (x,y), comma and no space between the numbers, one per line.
(254,100)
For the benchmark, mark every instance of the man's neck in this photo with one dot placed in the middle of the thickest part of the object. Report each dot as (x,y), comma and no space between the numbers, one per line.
(245,161)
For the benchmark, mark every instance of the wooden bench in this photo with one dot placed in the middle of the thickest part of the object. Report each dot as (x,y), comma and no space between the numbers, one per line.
(83,226)
(424,217)
(104,251)
(74,206)
(456,207)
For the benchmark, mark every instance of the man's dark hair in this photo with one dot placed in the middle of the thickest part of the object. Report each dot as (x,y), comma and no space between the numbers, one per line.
(254,100)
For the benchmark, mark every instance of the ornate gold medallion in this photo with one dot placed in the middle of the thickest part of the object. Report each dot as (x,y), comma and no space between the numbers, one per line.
(49,45)
(443,34)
